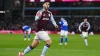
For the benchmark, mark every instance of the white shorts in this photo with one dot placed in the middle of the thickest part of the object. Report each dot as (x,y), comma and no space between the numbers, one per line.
(63,33)
(28,31)
(85,34)
(42,35)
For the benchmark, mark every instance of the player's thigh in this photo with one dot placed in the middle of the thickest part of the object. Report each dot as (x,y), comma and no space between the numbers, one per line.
(25,32)
(66,33)
(62,32)
(44,36)
(48,42)
(35,43)
(85,34)
(29,31)
(37,37)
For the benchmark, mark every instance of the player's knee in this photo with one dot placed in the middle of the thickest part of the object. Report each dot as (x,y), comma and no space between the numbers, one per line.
(62,36)
(28,33)
(49,42)
(24,34)
(85,37)
(66,36)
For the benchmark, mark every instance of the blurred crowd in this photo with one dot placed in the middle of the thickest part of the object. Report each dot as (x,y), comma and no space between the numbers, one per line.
(64,4)
(17,23)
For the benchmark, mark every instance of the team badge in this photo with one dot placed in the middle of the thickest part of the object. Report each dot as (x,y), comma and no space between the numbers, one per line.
(43,14)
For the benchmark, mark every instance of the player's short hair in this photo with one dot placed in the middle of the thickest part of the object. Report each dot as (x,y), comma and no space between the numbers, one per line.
(46,2)
(85,18)
(62,17)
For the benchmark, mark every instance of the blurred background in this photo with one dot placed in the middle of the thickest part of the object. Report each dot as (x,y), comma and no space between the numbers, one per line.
(15,13)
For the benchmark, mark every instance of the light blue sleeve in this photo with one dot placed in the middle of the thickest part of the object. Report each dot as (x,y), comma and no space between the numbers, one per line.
(52,20)
(37,18)
(38,15)
(80,26)
(88,25)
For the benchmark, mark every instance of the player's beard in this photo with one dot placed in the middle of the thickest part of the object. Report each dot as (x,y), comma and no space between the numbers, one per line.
(85,21)
(46,8)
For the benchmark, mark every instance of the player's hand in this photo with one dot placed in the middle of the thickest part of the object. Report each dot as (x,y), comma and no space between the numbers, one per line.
(86,29)
(56,26)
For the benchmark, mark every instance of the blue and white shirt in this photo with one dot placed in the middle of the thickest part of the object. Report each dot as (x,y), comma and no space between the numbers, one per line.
(26,27)
(64,25)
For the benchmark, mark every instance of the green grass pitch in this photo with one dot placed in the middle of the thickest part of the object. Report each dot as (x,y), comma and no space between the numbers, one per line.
(12,44)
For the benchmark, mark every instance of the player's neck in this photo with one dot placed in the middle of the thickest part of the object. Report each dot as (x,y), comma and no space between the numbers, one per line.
(45,9)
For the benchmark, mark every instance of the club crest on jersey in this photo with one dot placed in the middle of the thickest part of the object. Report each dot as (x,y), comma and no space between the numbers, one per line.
(43,14)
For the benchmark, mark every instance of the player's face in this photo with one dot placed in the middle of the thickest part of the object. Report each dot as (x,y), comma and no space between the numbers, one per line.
(46,5)
(85,20)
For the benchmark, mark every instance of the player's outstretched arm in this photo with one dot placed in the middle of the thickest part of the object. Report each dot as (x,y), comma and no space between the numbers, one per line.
(88,26)
(80,26)
(53,21)
(38,15)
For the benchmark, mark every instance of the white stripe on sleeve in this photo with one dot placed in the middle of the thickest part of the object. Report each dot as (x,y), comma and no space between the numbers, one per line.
(80,26)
